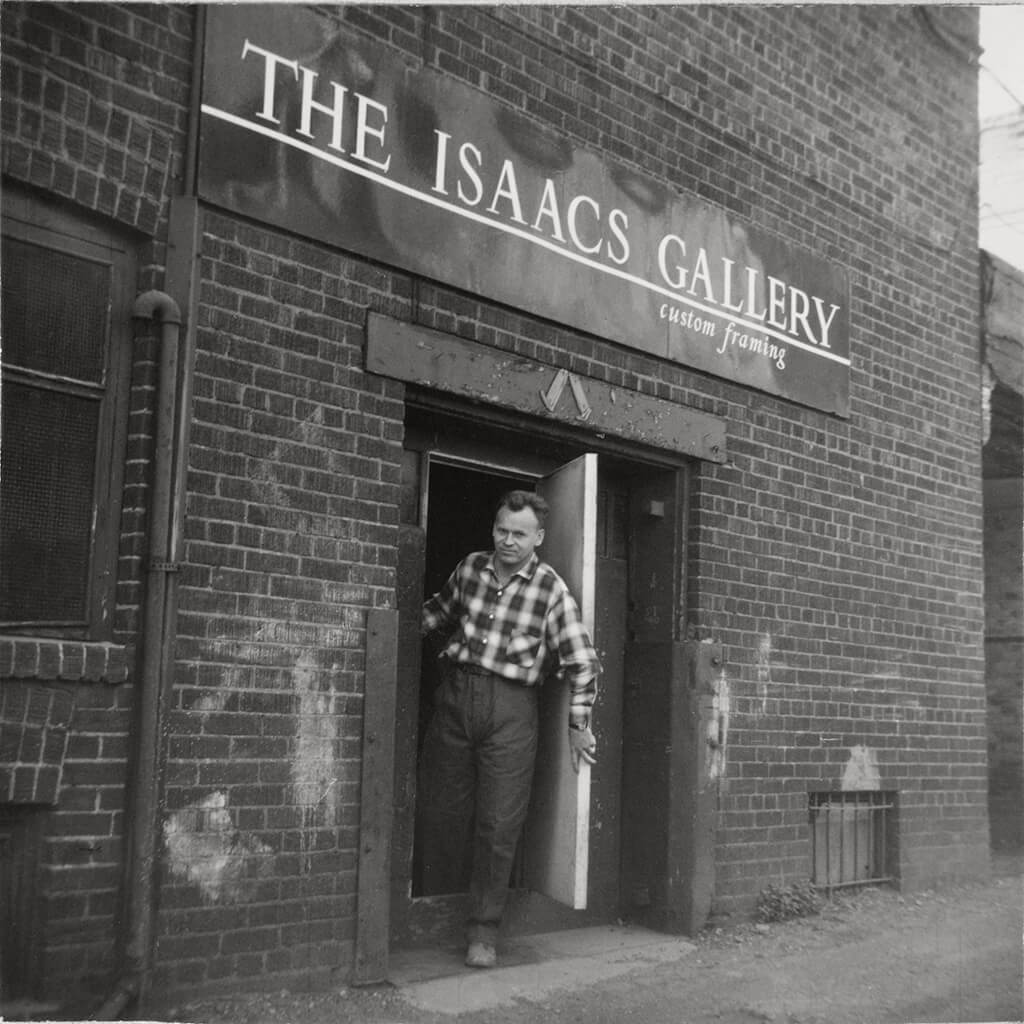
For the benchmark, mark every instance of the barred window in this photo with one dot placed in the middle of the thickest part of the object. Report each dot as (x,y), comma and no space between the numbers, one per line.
(853,838)
(65,329)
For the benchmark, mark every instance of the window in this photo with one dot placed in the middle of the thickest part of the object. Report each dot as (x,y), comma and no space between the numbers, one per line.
(65,326)
(853,837)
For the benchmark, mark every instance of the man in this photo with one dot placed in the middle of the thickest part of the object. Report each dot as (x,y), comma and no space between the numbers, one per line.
(514,623)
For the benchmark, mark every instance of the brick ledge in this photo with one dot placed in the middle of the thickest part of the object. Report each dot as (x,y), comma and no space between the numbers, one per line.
(33,657)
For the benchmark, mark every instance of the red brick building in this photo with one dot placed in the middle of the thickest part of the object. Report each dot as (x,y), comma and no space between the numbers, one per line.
(290,296)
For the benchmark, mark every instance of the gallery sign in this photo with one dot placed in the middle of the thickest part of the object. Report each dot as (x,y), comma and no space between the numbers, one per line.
(312,129)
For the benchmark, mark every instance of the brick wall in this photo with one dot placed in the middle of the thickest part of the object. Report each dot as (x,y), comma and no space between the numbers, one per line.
(839,561)
(291,536)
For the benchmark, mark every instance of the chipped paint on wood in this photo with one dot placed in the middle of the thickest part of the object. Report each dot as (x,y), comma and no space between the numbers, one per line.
(718,728)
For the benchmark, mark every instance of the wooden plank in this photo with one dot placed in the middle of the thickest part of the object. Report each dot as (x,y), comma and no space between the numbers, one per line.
(441,361)
(376,798)
(695,764)
(558,828)
(411,555)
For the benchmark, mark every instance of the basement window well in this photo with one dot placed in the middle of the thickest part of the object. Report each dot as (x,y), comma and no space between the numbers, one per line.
(853,838)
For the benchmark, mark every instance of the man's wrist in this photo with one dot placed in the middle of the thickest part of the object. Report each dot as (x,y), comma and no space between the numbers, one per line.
(579,726)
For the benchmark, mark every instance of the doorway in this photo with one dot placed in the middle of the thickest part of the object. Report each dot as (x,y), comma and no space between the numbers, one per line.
(452,486)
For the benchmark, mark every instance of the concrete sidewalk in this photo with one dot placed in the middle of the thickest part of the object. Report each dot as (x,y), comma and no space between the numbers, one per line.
(531,967)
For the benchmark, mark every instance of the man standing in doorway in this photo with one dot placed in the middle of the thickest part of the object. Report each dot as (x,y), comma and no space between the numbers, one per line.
(514,623)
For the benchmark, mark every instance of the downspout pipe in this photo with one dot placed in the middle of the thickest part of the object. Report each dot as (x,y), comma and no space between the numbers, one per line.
(155,676)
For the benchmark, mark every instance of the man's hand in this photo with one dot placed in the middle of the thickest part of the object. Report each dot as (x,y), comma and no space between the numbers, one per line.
(581,747)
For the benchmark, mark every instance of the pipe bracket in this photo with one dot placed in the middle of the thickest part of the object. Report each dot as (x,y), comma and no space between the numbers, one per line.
(157,565)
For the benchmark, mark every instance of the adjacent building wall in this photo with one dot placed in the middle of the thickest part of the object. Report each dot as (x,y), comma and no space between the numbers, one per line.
(1003,369)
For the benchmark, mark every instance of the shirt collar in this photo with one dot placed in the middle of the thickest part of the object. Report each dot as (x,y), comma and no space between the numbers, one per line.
(525,571)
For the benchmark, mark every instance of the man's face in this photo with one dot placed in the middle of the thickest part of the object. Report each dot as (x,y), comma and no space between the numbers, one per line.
(516,535)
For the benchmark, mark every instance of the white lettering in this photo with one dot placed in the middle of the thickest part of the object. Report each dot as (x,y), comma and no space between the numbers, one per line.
(825,324)
(271,62)
(686,318)
(337,111)
(702,274)
(727,265)
(466,150)
(618,223)
(777,302)
(678,279)
(753,343)
(752,275)
(364,129)
(573,232)
(549,209)
(507,189)
(799,307)
(441,163)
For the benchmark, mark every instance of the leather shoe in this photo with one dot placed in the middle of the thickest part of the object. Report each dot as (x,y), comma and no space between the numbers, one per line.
(481,954)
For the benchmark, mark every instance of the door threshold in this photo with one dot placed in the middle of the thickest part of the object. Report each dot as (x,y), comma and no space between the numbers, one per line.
(530,967)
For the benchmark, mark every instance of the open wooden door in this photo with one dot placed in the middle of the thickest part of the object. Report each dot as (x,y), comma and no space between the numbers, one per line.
(555,841)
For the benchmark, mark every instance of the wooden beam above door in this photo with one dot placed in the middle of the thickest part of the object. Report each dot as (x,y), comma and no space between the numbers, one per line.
(433,359)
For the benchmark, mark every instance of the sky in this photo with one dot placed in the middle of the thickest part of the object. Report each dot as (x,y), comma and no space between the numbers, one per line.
(1002,41)
(1001,191)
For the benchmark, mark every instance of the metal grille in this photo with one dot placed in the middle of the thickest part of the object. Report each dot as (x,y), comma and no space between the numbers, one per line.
(851,835)
(55,311)
(49,463)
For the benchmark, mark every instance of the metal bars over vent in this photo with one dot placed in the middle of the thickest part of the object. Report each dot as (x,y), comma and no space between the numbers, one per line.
(852,836)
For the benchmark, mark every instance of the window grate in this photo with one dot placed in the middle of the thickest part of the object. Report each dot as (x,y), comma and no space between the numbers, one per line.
(55,311)
(46,515)
(852,837)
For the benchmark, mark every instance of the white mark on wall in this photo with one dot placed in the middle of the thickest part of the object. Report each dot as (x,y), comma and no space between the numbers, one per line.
(203,844)
(267,487)
(205,848)
(311,429)
(764,669)
(234,679)
(718,729)
(861,771)
(208,703)
(265,475)
(315,782)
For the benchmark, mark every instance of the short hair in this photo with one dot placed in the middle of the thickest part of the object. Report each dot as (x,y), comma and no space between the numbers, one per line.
(516,501)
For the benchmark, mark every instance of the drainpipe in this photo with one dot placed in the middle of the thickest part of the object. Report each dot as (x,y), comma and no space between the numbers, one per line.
(157,656)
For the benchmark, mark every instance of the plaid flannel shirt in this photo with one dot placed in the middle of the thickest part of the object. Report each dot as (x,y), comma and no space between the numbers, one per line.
(516,630)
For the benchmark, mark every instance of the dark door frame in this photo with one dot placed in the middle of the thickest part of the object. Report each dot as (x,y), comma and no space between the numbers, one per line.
(654,647)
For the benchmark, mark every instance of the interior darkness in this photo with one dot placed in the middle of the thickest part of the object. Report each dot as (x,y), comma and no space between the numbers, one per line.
(460,514)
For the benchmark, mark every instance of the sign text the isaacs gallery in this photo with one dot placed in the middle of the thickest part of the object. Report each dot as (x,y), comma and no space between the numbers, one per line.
(317,131)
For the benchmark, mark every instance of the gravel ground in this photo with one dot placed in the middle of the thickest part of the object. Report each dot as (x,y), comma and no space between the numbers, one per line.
(869,957)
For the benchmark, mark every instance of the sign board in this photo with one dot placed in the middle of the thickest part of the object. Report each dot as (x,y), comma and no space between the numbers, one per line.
(310,128)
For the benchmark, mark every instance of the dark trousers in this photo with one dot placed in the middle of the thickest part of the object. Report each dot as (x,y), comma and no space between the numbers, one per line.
(476,772)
